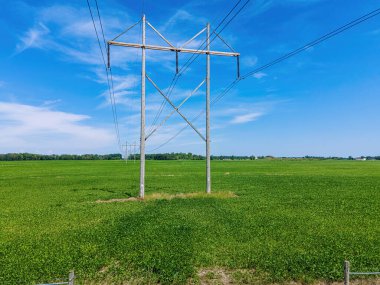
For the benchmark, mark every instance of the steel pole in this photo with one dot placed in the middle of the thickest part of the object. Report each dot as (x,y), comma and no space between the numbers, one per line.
(208,160)
(142,130)
(126,151)
(346,273)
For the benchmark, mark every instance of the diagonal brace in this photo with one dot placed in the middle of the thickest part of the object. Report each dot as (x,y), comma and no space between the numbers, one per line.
(175,108)
(189,41)
(126,30)
(172,112)
(158,33)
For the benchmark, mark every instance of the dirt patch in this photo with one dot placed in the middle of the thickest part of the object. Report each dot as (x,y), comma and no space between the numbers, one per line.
(223,276)
(165,196)
(121,200)
(214,276)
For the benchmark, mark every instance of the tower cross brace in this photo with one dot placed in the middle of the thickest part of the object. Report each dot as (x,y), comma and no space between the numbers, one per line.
(143,46)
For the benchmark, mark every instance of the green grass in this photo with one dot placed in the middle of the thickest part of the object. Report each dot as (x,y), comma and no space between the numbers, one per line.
(291,220)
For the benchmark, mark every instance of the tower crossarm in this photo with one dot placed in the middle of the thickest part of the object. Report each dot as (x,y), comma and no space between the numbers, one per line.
(168,48)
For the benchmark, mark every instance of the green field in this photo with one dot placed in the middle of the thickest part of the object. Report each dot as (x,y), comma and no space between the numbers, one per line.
(290,220)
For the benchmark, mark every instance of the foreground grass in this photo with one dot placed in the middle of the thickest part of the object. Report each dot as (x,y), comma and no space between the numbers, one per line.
(291,220)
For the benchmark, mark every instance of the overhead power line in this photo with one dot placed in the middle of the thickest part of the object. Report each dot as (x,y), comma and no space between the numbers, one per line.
(108,71)
(313,43)
(101,24)
(316,42)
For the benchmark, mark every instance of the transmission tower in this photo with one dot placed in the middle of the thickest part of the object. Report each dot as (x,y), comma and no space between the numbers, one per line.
(130,151)
(143,46)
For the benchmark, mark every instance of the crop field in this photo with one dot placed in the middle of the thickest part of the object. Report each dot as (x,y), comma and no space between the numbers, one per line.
(268,221)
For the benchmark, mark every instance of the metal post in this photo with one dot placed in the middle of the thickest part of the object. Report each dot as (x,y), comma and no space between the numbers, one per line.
(134,152)
(346,273)
(126,151)
(208,160)
(142,131)
(71,277)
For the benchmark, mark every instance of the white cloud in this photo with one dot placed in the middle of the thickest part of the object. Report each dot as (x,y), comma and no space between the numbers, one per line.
(241,119)
(244,113)
(259,75)
(33,38)
(51,102)
(41,129)
(181,16)
(68,31)
(125,89)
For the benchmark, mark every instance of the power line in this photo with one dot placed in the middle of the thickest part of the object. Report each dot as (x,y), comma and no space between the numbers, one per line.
(113,100)
(108,72)
(313,43)
(319,40)
(101,24)
(227,44)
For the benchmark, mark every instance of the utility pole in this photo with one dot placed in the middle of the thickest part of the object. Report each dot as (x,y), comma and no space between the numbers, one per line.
(177,50)
(208,151)
(126,151)
(134,152)
(142,130)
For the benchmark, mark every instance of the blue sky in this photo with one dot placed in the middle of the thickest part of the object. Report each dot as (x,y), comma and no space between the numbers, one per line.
(53,91)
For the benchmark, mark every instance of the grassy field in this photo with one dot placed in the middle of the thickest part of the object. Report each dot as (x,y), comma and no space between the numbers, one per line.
(289,220)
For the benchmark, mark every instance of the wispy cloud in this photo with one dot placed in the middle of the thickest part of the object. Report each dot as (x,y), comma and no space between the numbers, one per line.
(181,16)
(259,75)
(69,31)
(241,119)
(245,113)
(125,89)
(33,38)
(50,103)
(2,83)
(35,128)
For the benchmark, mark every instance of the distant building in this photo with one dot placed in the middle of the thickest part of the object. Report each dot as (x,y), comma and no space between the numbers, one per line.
(361,158)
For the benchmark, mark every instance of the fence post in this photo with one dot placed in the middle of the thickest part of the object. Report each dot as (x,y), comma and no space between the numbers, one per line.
(346,272)
(71,277)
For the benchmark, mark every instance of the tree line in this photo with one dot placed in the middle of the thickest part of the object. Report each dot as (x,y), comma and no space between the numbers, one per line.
(188,156)
(117,156)
(160,156)
(33,156)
